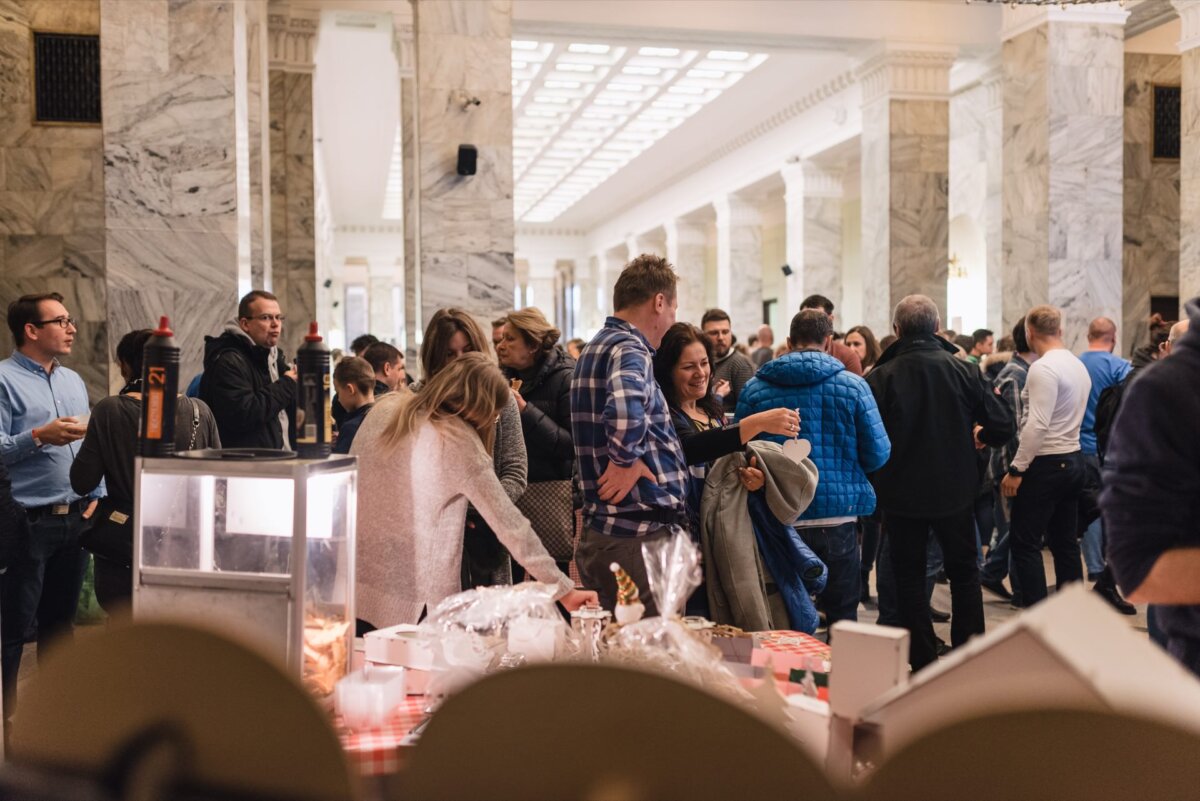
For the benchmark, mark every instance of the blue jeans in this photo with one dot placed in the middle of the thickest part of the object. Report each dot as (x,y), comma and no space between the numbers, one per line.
(837,547)
(42,584)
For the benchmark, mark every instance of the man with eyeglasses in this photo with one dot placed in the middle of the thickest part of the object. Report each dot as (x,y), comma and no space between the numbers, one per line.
(247,382)
(41,403)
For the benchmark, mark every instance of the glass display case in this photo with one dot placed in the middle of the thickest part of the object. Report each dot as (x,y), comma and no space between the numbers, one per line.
(261,549)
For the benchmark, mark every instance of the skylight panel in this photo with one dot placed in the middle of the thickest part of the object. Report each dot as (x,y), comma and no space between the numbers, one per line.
(586,109)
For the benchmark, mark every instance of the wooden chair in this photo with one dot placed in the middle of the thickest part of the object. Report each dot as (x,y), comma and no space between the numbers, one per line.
(174,706)
(1055,755)
(596,732)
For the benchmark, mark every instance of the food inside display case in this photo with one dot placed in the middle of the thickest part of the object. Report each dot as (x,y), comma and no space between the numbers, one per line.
(260,549)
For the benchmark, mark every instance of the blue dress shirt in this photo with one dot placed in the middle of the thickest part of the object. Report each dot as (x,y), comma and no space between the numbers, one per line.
(29,398)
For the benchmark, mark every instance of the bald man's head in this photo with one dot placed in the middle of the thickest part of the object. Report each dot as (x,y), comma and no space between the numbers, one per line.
(766,337)
(1102,329)
(1179,329)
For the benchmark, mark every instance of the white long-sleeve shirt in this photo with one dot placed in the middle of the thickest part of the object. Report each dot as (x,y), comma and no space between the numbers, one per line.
(1055,399)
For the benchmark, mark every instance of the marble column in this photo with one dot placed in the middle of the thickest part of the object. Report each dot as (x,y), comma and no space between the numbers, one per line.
(1189,162)
(464,53)
(1063,154)
(592,303)
(404,46)
(1152,195)
(739,263)
(540,285)
(686,244)
(257,142)
(293,34)
(905,177)
(813,199)
(170,84)
(382,273)
(52,230)
(653,242)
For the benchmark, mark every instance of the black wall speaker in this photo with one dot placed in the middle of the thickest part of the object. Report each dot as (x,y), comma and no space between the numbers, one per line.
(786,270)
(467,156)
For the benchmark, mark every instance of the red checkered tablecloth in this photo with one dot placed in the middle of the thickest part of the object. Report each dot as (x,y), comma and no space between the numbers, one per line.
(377,752)
(791,642)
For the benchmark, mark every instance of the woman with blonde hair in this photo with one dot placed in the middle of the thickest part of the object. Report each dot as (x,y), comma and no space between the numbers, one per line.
(451,333)
(540,375)
(422,458)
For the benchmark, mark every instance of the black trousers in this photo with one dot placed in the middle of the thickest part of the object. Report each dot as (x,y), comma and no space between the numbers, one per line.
(1047,506)
(908,540)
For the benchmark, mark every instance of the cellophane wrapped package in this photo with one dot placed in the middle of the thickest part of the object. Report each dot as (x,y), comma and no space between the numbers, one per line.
(664,643)
(488,628)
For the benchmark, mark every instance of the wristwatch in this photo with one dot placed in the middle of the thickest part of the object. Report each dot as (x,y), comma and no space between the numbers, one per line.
(1014,472)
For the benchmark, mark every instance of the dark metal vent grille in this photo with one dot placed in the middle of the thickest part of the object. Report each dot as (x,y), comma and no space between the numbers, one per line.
(66,71)
(1166,122)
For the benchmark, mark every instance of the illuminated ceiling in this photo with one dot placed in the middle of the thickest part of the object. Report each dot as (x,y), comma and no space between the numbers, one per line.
(583,110)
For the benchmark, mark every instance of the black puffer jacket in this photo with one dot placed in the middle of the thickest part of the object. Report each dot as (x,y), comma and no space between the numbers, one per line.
(546,421)
(237,386)
(930,402)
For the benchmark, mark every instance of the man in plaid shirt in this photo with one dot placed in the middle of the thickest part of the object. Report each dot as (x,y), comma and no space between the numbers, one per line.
(631,464)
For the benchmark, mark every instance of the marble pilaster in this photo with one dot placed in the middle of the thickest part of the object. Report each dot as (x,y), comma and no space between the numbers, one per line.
(686,244)
(540,285)
(52,192)
(905,177)
(381,281)
(1151,198)
(975,201)
(653,242)
(258,141)
(1189,162)
(404,46)
(463,53)
(293,35)
(169,79)
(813,221)
(1063,153)
(739,263)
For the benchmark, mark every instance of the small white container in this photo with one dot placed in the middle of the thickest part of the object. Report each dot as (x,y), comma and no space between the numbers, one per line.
(367,698)
(402,645)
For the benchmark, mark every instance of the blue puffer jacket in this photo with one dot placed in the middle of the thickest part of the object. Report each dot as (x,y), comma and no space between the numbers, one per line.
(838,416)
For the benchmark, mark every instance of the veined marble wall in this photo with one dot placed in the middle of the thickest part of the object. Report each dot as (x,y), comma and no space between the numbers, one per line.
(823,250)
(1151,198)
(168,79)
(464,48)
(258,140)
(52,191)
(293,195)
(905,204)
(1063,152)
(1189,174)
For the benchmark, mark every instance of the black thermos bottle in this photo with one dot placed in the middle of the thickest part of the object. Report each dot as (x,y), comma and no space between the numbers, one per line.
(160,388)
(312,373)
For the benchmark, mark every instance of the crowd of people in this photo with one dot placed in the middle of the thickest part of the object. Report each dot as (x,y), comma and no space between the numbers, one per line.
(922,453)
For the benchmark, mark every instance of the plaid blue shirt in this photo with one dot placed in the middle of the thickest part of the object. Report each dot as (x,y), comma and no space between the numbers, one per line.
(618,413)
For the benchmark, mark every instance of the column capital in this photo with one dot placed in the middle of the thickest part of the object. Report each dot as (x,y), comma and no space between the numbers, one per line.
(1019,18)
(1189,18)
(806,178)
(899,71)
(293,36)
(404,45)
(685,233)
(735,211)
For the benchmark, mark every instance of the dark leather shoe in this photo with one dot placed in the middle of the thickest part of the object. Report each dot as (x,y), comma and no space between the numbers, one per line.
(997,588)
(938,616)
(1115,600)
(942,646)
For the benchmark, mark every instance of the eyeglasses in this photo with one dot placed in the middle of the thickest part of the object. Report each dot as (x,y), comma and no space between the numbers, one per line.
(61,322)
(269,318)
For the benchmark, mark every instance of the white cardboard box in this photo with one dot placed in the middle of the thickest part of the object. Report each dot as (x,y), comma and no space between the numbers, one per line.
(868,661)
(399,645)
